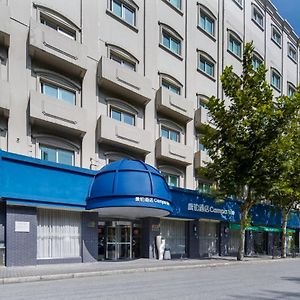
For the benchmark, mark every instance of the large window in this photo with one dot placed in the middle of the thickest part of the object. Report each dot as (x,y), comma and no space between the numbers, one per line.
(122,116)
(58,92)
(171,87)
(234,45)
(57,155)
(207,22)
(123,62)
(58,27)
(174,233)
(170,134)
(257,17)
(292,53)
(276,80)
(206,65)
(171,43)
(276,36)
(256,61)
(123,10)
(291,89)
(58,234)
(171,179)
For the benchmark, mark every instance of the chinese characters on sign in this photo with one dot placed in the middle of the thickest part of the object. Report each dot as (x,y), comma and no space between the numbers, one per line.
(209,209)
(151,200)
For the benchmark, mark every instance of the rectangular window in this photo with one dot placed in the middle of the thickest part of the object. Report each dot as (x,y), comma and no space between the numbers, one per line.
(257,17)
(276,80)
(176,3)
(123,62)
(291,90)
(204,187)
(57,155)
(59,92)
(206,66)
(123,11)
(170,134)
(171,43)
(239,2)
(276,36)
(207,23)
(235,46)
(292,53)
(171,87)
(62,30)
(58,234)
(256,62)
(172,180)
(122,116)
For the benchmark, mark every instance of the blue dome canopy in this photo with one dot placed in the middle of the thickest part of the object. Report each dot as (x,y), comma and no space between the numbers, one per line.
(130,188)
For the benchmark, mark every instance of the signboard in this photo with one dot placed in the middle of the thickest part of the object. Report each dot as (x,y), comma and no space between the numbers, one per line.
(22,226)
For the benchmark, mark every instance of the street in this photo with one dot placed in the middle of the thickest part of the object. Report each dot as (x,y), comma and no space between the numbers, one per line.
(271,280)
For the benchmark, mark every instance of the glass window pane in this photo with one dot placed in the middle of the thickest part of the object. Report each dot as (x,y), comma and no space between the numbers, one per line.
(128,119)
(166,40)
(164,132)
(174,136)
(129,15)
(48,154)
(117,8)
(67,96)
(176,3)
(49,90)
(175,46)
(173,180)
(65,157)
(116,115)
(129,65)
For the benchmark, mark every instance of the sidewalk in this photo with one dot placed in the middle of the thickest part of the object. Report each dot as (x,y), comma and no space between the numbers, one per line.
(102,268)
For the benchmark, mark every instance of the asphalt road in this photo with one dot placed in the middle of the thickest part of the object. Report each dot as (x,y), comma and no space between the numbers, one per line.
(272,280)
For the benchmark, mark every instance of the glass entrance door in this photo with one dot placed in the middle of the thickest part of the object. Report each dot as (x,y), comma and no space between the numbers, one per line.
(119,241)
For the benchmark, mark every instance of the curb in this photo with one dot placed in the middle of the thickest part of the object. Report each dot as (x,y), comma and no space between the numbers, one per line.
(35,278)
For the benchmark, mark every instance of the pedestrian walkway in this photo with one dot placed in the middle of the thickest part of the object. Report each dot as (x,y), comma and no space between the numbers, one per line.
(102,268)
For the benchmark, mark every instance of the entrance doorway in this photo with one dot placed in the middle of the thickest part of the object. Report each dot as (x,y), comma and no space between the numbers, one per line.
(119,240)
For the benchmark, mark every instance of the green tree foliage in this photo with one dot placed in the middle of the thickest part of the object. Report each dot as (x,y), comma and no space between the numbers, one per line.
(244,125)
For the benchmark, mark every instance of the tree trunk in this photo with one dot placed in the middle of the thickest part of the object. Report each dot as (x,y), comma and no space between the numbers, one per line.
(244,220)
(283,236)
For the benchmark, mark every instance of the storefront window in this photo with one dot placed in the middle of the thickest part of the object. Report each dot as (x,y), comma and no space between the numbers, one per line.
(174,233)
(208,238)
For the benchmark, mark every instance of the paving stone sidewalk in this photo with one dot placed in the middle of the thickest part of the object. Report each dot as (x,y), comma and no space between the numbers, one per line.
(102,268)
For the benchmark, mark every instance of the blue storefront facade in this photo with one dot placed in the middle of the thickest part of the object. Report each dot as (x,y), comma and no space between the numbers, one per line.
(52,213)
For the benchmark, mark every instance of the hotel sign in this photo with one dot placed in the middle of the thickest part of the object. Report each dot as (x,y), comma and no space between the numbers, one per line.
(210,209)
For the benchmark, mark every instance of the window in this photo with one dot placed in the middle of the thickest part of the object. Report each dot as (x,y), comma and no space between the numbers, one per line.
(235,45)
(59,28)
(257,16)
(171,87)
(124,11)
(292,53)
(206,65)
(256,61)
(202,101)
(171,179)
(204,187)
(291,89)
(122,116)
(123,62)
(276,36)
(176,3)
(170,134)
(171,43)
(239,2)
(207,22)
(200,145)
(58,234)
(57,155)
(276,80)
(58,92)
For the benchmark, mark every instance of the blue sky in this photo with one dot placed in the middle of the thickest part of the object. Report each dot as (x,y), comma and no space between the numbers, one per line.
(290,10)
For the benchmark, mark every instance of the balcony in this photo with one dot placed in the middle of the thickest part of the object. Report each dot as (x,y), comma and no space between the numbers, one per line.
(4,98)
(174,105)
(124,82)
(200,159)
(128,137)
(201,118)
(50,46)
(173,152)
(4,25)
(56,114)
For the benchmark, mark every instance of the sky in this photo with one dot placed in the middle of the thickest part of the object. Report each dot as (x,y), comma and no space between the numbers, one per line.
(290,10)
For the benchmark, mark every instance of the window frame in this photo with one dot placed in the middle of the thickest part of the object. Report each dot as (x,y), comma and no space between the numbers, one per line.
(167,169)
(258,58)
(278,75)
(167,176)
(256,10)
(123,114)
(207,60)
(275,32)
(203,10)
(289,87)
(294,59)
(175,7)
(170,130)
(165,79)
(232,36)
(131,6)
(57,149)
(239,3)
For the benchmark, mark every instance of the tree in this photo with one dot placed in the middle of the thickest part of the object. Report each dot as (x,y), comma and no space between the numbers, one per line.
(238,140)
(284,192)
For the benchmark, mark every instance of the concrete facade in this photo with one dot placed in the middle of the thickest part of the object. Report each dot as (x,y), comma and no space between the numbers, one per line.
(119,62)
